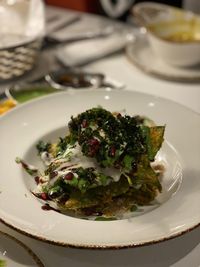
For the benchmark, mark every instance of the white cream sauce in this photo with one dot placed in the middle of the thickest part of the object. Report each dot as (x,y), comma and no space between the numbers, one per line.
(75,159)
(46,158)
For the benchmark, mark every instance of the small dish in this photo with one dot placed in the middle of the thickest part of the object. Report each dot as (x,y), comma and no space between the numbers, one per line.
(141,54)
(174,34)
(58,80)
(15,253)
(63,79)
(80,79)
(27,92)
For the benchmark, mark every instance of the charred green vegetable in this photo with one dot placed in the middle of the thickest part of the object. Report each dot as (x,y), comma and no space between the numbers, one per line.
(103,165)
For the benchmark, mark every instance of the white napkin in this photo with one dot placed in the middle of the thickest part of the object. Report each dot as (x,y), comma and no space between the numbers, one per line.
(83,52)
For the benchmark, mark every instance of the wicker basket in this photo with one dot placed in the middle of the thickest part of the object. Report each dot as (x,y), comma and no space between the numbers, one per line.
(16,61)
(22,30)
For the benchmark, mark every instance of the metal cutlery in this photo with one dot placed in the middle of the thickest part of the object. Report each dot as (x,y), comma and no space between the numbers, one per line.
(77,79)
(65,79)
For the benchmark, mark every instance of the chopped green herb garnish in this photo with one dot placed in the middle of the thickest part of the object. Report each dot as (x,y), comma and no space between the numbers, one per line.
(102,166)
(43,146)
(133,208)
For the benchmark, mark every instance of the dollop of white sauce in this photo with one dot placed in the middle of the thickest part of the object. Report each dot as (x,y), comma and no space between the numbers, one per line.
(75,159)
(81,160)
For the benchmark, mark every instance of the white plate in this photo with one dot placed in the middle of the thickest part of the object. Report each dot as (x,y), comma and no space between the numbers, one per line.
(15,253)
(46,118)
(140,53)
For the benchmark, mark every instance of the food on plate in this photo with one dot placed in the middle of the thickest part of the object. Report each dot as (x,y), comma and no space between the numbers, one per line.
(102,167)
(2,263)
(6,105)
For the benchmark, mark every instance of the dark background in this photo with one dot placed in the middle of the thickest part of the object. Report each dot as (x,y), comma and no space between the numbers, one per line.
(94,6)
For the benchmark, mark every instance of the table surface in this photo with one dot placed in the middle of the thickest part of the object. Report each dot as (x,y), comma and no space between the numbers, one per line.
(183,251)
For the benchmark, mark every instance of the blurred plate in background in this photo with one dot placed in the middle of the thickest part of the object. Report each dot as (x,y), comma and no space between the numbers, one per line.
(14,253)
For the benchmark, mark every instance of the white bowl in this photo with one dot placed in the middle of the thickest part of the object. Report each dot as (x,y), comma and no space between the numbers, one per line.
(174,34)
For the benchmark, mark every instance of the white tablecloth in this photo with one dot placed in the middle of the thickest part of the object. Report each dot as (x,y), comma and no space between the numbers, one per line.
(183,251)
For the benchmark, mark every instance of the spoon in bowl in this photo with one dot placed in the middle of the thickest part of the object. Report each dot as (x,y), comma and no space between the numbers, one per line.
(65,79)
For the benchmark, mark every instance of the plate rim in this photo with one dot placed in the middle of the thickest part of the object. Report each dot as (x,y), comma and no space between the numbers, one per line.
(108,90)
(89,246)
(30,252)
(99,247)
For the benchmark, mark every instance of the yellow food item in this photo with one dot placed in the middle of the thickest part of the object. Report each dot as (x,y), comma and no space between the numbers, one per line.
(179,30)
(183,37)
(7,105)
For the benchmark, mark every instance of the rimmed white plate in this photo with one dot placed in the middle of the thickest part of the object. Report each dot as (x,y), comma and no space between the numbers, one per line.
(140,53)
(178,210)
(14,253)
